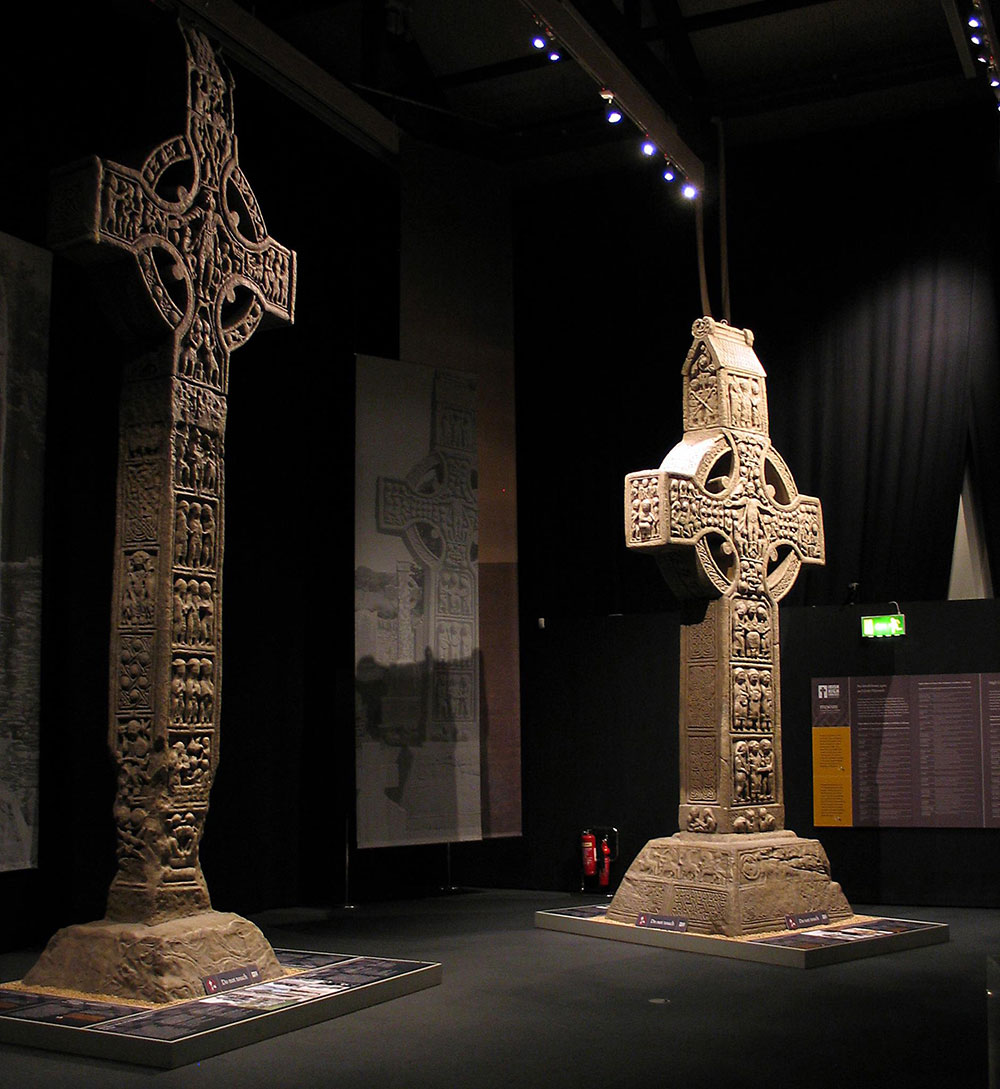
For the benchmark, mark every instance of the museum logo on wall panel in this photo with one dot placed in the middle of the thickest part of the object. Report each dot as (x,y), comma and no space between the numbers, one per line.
(25,278)
(416,606)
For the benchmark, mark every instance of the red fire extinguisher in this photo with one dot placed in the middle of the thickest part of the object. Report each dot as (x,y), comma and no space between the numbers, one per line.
(588,845)
(605,876)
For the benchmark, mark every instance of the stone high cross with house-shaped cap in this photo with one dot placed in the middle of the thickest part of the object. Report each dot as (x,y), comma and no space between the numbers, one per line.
(725,521)
(730,530)
(191,223)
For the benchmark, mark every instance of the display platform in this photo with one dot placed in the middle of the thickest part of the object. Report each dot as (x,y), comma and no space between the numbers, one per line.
(807,947)
(320,986)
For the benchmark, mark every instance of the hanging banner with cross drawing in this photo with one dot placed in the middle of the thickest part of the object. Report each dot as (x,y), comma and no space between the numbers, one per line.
(416,618)
(25,275)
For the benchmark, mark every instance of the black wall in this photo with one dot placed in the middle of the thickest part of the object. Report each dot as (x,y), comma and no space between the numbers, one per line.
(600,703)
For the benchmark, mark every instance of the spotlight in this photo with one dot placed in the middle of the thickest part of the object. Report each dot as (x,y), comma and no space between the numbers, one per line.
(974,22)
(612,112)
(648,147)
(976,39)
(689,192)
(545,39)
(669,174)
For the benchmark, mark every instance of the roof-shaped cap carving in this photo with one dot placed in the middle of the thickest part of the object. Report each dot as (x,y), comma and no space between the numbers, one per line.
(724,383)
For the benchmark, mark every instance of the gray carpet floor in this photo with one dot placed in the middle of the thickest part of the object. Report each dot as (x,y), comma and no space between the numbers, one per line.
(520,1006)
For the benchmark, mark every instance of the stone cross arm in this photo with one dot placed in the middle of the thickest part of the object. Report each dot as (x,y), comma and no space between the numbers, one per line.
(189,249)
(724,515)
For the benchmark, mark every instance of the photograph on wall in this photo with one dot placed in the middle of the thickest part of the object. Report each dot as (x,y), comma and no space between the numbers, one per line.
(416,618)
(25,279)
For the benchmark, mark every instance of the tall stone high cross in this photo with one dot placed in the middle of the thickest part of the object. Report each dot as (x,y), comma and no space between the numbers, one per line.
(190,222)
(730,531)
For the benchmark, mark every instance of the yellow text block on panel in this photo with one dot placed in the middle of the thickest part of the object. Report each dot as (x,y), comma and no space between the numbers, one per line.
(832,777)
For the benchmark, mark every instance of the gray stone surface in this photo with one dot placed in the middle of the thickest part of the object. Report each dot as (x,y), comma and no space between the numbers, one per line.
(161,963)
(730,531)
(729,884)
(190,223)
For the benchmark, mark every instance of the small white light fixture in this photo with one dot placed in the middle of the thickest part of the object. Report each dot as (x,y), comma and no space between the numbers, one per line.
(612,112)
(689,192)
(648,147)
(539,42)
(669,174)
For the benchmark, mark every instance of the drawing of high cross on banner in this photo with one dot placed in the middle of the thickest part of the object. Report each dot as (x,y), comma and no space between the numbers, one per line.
(435,511)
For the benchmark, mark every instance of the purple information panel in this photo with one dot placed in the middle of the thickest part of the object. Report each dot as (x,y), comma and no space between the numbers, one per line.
(925,750)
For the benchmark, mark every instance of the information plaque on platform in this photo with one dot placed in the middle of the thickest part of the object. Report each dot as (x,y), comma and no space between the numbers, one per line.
(907,751)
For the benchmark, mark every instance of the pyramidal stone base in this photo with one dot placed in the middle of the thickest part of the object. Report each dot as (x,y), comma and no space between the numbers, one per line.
(729,884)
(157,963)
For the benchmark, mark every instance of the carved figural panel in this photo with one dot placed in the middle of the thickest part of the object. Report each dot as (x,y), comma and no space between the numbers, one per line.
(724,519)
(730,531)
(189,220)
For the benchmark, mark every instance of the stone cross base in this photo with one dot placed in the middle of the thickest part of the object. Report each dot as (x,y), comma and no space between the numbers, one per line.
(161,963)
(729,884)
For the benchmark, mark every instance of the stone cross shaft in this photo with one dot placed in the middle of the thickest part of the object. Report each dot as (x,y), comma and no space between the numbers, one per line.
(191,223)
(435,510)
(724,519)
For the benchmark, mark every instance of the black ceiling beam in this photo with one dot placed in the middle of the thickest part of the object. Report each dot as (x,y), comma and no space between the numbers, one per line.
(750,100)
(759,9)
(513,67)
(676,41)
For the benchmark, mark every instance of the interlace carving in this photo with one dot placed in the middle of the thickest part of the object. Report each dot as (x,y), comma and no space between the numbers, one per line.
(728,524)
(189,219)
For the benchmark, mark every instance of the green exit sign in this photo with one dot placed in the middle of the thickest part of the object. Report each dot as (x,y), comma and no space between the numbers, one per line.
(881,627)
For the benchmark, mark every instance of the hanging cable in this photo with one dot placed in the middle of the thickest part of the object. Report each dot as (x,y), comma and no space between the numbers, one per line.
(723,225)
(699,221)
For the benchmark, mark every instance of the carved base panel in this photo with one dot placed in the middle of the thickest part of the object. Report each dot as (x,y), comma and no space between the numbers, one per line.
(718,818)
(170,893)
(729,884)
(161,963)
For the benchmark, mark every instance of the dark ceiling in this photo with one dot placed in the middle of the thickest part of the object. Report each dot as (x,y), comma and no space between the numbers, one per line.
(463,73)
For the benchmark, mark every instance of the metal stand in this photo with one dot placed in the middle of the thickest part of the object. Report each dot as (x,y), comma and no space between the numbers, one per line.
(448,886)
(347,905)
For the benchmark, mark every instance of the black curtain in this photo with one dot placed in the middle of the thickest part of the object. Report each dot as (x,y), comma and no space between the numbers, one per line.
(864,264)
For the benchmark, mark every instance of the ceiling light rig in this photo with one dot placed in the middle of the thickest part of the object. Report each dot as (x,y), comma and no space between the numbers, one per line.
(982,36)
(671,171)
(614,110)
(672,174)
(545,40)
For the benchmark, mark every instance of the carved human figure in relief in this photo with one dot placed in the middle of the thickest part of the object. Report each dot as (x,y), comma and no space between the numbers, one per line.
(731,529)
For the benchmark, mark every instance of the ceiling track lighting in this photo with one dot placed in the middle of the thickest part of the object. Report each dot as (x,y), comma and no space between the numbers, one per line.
(612,111)
(982,35)
(545,40)
(672,173)
(614,114)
